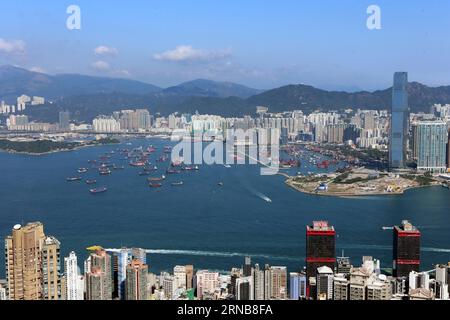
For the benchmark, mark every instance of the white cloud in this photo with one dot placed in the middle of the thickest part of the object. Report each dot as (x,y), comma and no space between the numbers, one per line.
(187,53)
(106,51)
(122,73)
(37,69)
(101,66)
(12,46)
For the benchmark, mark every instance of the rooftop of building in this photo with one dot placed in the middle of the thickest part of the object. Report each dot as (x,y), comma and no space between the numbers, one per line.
(407,226)
(320,226)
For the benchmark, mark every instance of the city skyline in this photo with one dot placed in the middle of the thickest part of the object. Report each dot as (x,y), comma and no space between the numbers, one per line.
(124,274)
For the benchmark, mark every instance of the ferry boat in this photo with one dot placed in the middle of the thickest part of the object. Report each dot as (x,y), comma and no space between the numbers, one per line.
(72,179)
(98,190)
(155,185)
(91,181)
(177,184)
(83,170)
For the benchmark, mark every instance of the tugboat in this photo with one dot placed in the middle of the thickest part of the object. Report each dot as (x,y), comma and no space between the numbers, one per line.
(91,181)
(72,179)
(99,190)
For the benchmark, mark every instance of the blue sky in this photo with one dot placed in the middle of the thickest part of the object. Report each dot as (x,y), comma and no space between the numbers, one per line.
(263,44)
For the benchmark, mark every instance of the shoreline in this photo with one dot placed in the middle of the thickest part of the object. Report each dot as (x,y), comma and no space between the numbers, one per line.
(52,151)
(353,195)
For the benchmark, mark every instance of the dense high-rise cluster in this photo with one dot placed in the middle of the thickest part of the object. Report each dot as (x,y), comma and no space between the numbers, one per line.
(33,272)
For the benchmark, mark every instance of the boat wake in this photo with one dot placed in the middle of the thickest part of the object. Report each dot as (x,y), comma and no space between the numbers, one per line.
(389,248)
(213,254)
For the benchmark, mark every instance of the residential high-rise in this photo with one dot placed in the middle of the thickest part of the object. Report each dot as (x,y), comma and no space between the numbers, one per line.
(244,286)
(430,145)
(399,122)
(258,280)
(136,281)
(406,253)
(297,286)
(324,283)
(189,277)
(247,267)
(99,279)
(343,265)
(340,287)
(278,283)
(74,280)
(207,282)
(95,285)
(51,269)
(179,273)
(64,120)
(24,262)
(320,248)
(123,260)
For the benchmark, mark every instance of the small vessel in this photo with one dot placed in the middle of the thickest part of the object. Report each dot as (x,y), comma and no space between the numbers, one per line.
(155,185)
(162,178)
(144,173)
(83,170)
(118,167)
(72,179)
(177,184)
(220,184)
(98,190)
(191,168)
(91,181)
(104,172)
(446,185)
(170,171)
(227,166)
(138,164)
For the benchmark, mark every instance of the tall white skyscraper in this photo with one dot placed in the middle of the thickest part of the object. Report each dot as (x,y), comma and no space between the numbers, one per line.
(75,281)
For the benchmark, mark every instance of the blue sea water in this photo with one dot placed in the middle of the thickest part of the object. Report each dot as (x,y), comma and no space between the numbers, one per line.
(202,223)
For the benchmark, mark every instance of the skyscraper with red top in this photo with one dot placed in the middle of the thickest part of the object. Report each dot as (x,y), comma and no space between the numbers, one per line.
(320,247)
(406,253)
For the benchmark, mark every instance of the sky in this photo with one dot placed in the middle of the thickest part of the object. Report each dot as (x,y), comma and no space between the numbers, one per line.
(259,43)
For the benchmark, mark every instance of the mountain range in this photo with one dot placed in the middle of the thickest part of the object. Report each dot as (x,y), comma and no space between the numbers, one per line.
(86,96)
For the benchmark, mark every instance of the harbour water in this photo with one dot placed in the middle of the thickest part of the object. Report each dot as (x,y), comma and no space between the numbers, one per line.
(202,222)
